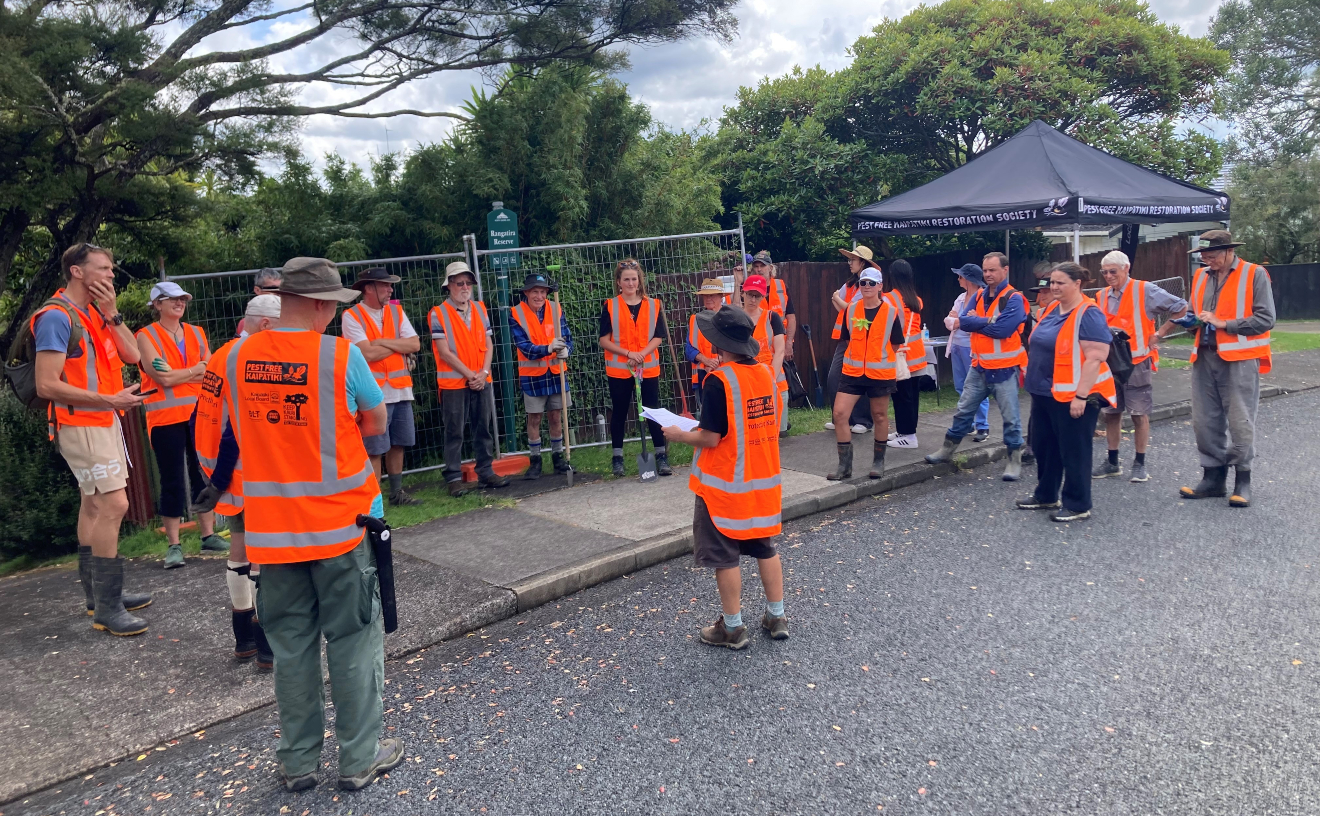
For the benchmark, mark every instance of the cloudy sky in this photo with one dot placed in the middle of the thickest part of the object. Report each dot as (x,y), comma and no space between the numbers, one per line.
(683,83)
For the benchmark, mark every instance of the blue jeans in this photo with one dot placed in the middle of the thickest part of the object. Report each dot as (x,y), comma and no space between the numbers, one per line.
(962,363)
(976,389)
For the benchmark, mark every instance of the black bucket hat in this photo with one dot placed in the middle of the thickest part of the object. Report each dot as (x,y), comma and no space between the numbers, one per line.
(729,329)
(535,279)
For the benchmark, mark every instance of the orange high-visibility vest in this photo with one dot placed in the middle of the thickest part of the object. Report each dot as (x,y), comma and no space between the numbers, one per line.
(633,335)
(95,367)
(541,331)
(987,352)
(702,345)
(849,292)
(306,474)
(211,421)
(916,347)
(1068,362)
(766,356)
(870,354)
(394,368)
(172,404)
(739,478)
(1236,301)
(467,339)
(1132,318)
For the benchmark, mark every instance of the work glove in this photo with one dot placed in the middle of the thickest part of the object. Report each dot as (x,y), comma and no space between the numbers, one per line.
(207,499)
(557,345)
(902,367)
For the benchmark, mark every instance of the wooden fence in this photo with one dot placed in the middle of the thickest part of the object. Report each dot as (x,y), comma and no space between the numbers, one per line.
(1156,260)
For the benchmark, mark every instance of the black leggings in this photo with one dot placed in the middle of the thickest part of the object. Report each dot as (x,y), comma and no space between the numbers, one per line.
(176,459)
(621,400)
(907,404)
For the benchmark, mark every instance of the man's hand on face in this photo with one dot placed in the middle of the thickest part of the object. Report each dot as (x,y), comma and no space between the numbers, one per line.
(103,293)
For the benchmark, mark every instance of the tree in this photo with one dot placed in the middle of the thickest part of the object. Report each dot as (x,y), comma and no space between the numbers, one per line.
(108,110)
(1274,87)
(1276,209)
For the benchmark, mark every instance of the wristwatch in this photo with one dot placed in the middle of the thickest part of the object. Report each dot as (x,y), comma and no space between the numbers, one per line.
(117,320)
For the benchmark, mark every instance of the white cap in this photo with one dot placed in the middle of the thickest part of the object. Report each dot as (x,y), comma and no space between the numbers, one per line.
(871,274)
(167,289)
(263,306)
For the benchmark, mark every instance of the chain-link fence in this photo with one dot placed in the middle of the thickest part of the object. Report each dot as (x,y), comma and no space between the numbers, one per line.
(673,266)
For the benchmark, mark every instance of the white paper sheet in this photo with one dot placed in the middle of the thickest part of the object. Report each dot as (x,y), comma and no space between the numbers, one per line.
(667,418)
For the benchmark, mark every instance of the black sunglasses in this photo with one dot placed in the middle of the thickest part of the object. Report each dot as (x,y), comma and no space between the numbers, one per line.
(868,283)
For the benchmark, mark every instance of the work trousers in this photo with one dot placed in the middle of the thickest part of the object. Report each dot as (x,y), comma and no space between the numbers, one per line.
(621,407)
(180,474)
(1225,396)
(460,408)
(338,599)
(907,405)
(961,358)
(1062,446)
(975,390)
(861,412)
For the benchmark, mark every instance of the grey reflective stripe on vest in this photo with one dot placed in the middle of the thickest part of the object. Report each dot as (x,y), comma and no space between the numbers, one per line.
(324,538)
(169,398)
(396,311)
(297,490)
(1139,318)
(739,484)
(89,357)
(752,523)
(448,329)
(1242,341)
(231,375)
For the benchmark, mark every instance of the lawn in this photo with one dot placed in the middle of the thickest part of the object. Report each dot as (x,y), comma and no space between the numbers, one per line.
(1281,342)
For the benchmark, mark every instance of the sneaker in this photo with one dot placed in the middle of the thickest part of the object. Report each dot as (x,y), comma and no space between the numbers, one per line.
(389,753)
(1139,473)
(892,436)
(1034,503)
(401,498)
(1106,469)
(859,428)
(776,626)
(301,782)
(174,557)
(907,441)
(1064,516)
(717,635)
(829,426)
(981,435)
(214,543)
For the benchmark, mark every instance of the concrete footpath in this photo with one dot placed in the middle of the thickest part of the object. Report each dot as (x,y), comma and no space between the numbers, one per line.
(77,699)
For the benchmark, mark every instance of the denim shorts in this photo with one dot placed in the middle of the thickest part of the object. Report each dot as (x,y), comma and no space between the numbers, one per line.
(399,429)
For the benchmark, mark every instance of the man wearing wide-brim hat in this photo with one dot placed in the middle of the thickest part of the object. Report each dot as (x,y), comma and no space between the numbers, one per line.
(736,476)
(697,350)
(860,258)
(541,335)
(380,328)
(1233,308)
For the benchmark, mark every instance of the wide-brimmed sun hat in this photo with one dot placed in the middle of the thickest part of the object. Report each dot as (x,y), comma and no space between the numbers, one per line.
(861,253)
(375,274)
(315,278)
(711,286)
(729,329)
(1215,239)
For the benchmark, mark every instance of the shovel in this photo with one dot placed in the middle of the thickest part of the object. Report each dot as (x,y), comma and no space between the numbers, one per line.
(811,344)
(645,460)
(563,397)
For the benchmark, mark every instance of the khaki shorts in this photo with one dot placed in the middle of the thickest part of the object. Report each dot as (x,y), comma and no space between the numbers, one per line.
(96,456)
(539,405)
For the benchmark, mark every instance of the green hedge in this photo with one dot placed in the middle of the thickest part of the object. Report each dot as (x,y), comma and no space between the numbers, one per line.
(38,496)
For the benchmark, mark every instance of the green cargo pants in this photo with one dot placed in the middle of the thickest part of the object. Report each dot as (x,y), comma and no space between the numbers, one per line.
(340,599)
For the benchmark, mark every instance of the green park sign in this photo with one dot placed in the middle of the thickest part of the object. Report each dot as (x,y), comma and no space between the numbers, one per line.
(502,233)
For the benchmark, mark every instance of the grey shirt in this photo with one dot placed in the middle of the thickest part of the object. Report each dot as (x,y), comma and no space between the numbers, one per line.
(1158,301)
(1262,314)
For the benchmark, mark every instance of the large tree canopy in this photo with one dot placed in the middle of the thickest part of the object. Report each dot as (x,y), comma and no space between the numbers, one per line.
(108,110)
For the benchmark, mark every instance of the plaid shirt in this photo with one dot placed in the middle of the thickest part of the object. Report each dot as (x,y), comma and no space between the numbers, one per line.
(545,384)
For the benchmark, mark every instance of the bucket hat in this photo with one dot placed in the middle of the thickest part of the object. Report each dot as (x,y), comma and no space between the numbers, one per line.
(315,278)
(729,329)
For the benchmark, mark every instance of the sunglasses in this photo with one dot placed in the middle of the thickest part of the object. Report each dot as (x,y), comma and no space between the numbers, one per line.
(868,283)
(629,265)
(461,282)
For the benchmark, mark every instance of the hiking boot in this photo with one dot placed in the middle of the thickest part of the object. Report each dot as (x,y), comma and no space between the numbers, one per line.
(265,657)
(777,626)
(389,753)
(662,464)
(402,498)
(534,469)
(845,463)
(245,642)
(717,635)
(1013,470)
(1106,469)
(878,460)
(1213,484)
(905,441)
(945,454)
(494,480)
(457,488)
(1034,503)
(174,556)
(981,435)
(616,466)
(301,782)
(132,600)
(1138,473)
(110,615)
(1241,489)
(560,463)
(214,543)
(1064,516)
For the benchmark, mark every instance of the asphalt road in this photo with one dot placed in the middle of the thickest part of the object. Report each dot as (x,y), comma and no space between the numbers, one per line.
(949,654)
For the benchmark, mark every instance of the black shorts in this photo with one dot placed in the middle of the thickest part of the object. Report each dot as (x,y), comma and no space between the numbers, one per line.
(716,550)
(866,386)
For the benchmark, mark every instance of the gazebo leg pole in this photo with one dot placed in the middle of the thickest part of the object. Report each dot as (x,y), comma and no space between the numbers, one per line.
(1077,243)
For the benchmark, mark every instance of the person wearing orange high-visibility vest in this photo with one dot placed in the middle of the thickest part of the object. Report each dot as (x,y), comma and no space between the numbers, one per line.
(379,327)
(698,350)
(461,343)
(81,346)
(1233,303)
(299,403)
(770,334)
(859,259)
(993,318)
(1133,305)
(632,327)
(540,333)
(907,396)
(174,356)
(735,474)
(1068,380)
(212,425)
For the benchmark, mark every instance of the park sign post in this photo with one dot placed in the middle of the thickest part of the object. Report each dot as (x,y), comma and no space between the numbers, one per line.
(502,233)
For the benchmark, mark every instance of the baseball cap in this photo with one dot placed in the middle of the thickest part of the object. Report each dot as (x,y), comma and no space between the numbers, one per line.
(263,306)
(756,283)
(168,289)
(871,274)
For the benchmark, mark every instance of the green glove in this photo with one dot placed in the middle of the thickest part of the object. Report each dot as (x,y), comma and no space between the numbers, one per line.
(160,365)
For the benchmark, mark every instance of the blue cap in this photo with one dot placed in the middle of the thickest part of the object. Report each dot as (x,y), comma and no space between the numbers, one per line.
(971,272)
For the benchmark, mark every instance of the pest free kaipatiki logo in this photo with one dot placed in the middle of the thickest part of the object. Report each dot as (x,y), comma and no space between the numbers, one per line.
(1221,203)
(1057,206)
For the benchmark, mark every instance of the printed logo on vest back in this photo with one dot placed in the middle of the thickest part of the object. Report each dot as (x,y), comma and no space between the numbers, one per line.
(264,371)
(758,407)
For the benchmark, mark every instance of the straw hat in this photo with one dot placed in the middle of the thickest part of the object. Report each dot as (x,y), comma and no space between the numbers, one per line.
(711,286)
(861,253)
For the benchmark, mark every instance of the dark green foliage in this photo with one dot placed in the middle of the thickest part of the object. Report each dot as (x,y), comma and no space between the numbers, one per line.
(38,496)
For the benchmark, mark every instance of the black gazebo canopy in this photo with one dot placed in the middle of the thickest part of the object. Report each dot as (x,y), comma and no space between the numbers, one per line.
(1039,178)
